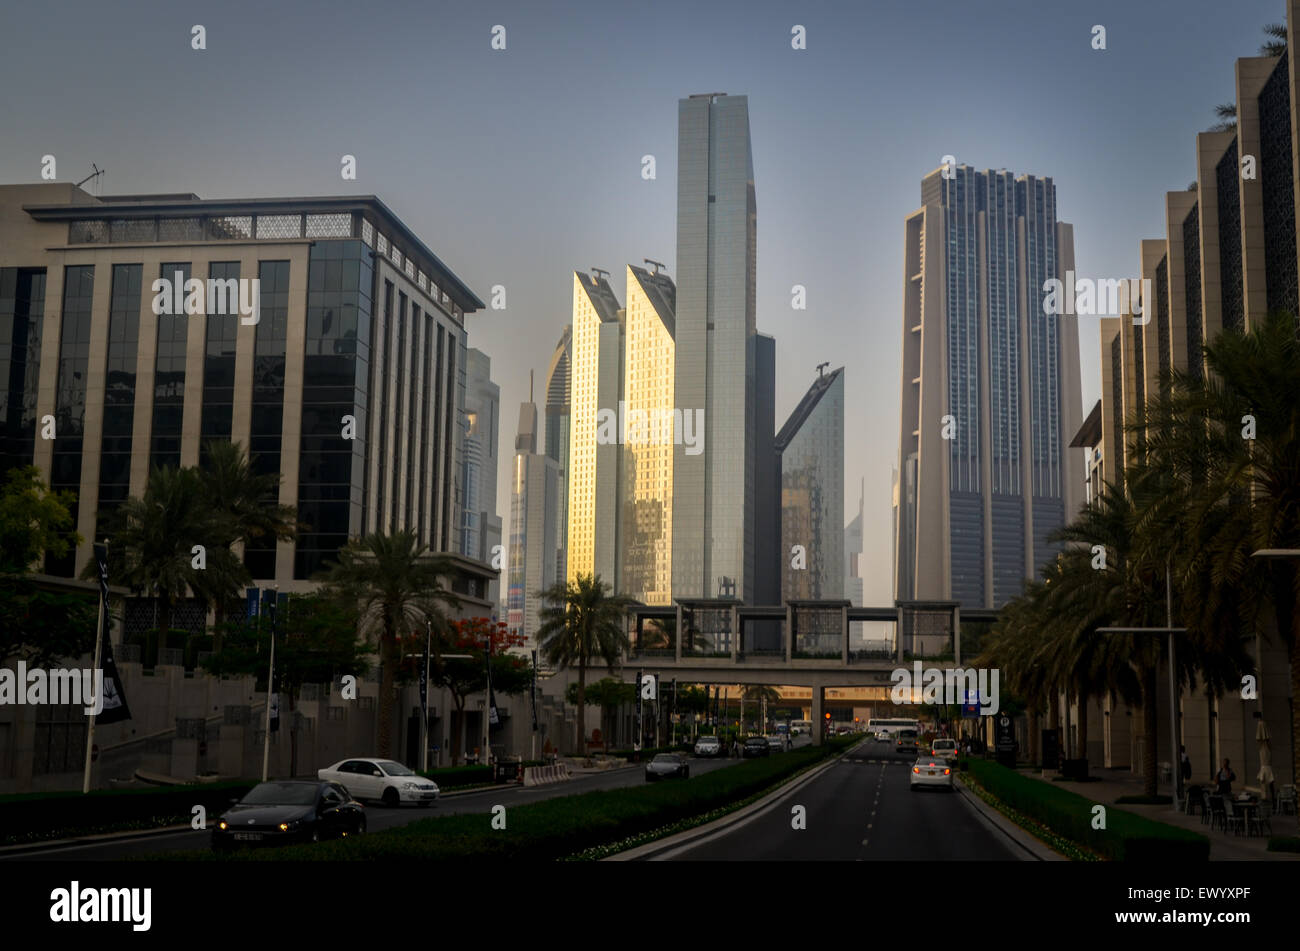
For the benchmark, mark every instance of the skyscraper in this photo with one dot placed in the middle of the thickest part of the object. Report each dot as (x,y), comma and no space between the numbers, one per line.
(596,385)
(534,538)
(811,444)
(645,530)
(714,490)
(481,526)
(557,439)
(990,388)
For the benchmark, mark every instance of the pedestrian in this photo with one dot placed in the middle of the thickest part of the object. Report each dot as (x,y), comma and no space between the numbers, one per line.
(1225,778)
(1184,763)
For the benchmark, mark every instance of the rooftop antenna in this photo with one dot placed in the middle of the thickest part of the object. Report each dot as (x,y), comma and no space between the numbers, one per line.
(655,264)
(600,272)
(95,174)
(530,386)
(820,368)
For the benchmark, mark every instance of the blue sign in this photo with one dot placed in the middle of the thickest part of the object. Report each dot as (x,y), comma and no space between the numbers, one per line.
(970,707)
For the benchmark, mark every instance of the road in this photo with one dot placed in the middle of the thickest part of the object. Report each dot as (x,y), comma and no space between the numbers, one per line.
(861,809)
(378,817)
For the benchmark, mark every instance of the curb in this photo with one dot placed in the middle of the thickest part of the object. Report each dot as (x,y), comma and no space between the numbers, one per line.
(997,822)
(723,824)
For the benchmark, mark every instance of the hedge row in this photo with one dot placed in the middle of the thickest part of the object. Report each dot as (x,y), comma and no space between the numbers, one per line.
(35,817)
(554,828)
(1127,837)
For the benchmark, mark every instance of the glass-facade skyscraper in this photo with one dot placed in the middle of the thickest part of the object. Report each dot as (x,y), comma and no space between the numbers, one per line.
(811,447)
(714,512)
(990,388)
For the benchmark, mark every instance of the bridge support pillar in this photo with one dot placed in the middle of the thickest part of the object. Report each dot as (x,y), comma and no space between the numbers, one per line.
(818,715)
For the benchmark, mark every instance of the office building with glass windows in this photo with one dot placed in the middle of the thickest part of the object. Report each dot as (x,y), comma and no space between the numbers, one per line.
(714,506)
(534,529)
(990,389)
(594,452)
(811,448)
(645,543)
(346,376)
(481,527)
(557,439)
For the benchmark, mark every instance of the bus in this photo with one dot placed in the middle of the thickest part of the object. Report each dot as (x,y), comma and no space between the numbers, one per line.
(893,725)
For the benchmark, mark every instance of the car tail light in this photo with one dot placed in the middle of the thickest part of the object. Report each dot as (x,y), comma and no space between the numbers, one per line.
(946,772)
(916,769)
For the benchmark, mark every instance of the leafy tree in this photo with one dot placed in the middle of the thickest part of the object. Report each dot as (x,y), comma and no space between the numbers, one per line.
(582,620)
(396,584)
(512,674)
(316,641)
(609,694)
(38,625)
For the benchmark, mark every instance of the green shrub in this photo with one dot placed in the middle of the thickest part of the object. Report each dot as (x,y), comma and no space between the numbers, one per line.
(1284,843)
(1126,838)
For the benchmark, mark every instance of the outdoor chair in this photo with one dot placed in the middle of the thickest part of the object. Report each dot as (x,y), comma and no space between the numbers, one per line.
(1205,806)
(1217,815)
(1194,801)
(1286,800)
(1259,822)
(1234,819)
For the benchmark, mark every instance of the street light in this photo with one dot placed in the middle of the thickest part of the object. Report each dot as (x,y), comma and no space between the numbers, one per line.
(1173,680)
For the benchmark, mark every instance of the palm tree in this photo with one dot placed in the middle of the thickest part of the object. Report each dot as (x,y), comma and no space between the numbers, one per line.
(248,500)
(396,583)
(154,538)
(582,620)
(1277,45)
(1236,493)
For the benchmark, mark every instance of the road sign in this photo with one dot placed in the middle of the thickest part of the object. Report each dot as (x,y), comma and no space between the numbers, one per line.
(970,707)
(1004,742)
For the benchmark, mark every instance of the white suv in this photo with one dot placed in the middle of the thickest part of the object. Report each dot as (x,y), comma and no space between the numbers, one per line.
(947,748)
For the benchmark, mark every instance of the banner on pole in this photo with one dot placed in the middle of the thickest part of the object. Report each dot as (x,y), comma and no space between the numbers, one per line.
(115,708)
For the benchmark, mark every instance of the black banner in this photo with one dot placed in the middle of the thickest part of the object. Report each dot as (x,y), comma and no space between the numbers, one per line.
(114,709)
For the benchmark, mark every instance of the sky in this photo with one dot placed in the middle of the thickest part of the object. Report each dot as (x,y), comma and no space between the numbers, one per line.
(517,166)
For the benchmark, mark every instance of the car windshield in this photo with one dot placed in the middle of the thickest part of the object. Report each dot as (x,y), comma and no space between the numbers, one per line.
(666,758)
(280,794)
(395,769)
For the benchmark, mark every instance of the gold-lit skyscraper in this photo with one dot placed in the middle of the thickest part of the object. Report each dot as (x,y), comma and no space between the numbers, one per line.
(646,526)
(596,384)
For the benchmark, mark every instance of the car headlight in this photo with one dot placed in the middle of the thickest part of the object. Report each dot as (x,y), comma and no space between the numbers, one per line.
(410,785)
(290,826)
(222,825)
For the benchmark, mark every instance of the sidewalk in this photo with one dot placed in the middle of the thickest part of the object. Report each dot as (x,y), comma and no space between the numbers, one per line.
(1224,846)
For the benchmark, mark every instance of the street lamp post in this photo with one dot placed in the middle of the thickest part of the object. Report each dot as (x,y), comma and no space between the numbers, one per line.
(270,685)
(1173,680)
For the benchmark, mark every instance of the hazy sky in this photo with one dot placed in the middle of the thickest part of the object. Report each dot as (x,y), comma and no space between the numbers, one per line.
(518,166)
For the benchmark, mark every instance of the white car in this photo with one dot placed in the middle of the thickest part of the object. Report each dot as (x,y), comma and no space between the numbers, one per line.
(882,736)
(947,748)
(932,771)
(382,779)
(708,746)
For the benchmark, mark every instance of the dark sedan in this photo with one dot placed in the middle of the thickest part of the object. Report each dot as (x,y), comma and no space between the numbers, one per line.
(667,766)
(287,811)
(756,746)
